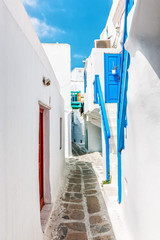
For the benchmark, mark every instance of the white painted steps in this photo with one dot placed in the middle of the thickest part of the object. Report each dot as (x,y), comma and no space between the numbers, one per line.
(111,110)
(95,118)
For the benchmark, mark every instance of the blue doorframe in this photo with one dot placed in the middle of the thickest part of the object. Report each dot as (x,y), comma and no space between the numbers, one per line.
(112,65)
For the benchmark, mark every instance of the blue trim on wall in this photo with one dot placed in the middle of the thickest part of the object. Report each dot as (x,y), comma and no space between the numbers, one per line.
(85,81)
(122,104)
(95,92)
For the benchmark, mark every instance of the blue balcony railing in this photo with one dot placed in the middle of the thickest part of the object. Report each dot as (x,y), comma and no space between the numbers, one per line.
(98,98)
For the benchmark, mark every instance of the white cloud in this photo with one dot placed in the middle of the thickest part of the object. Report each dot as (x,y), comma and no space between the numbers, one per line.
(32,3)
(78,56)
(44,30)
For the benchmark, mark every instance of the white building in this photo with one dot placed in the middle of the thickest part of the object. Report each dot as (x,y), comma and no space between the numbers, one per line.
(104,57)
(141,156)
(77,84)
(59,57)
(77,80)
(136,216)
(31,127)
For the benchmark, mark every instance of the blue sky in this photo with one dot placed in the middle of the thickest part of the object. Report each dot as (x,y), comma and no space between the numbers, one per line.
(76,22)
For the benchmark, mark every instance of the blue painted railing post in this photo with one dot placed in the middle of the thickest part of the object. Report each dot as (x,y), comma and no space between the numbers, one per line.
(98,98)
(122,104)
(94,101)
(119,178)
(95,92)
(107,160)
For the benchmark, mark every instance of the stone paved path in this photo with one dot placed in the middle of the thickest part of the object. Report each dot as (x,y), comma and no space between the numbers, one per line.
(80,212)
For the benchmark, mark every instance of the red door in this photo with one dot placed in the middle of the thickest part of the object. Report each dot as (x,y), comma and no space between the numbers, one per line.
(41,162)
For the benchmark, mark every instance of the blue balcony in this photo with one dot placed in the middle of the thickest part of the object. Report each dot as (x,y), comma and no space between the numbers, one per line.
(76,99)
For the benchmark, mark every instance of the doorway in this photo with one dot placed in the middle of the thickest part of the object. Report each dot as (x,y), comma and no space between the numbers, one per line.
(41,158)
(112,62)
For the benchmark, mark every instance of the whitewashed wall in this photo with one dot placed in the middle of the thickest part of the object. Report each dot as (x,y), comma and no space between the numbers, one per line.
(141,157)
(94,65)
(115,24)
(23,63)
(77,80)
(77,74)
(77,86)
(59,57)
(88,96)
(94,138)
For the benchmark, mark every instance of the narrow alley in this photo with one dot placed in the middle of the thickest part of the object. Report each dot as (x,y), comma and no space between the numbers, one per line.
(80,120)
(80,212)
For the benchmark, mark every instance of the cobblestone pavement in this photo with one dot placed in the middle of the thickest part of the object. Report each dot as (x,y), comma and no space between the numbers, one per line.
(80,211)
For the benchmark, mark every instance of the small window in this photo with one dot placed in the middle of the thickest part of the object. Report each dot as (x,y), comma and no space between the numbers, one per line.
(60,133)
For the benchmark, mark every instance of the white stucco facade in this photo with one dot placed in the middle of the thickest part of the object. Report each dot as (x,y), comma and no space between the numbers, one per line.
(137,217)
(93,141)
(77,80)
(141,156)
(115,24)
(23,64)
(60,58)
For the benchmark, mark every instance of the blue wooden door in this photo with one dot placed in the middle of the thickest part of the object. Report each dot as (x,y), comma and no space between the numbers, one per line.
(111,80)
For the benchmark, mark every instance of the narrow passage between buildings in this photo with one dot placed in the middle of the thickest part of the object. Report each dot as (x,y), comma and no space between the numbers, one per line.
(80,212)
